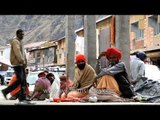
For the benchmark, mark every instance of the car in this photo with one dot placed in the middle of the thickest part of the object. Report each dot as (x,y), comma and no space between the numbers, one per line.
(59,70)
(32,78)
(152,72)
(8,76)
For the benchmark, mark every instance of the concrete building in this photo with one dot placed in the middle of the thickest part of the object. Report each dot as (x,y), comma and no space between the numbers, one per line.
(41,54)
(4,57)
(145,36)
(61,51)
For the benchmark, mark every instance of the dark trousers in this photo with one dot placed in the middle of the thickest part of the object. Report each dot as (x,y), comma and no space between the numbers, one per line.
(21,80)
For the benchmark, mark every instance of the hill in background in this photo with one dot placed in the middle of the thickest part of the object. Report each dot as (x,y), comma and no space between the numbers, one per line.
(37,27)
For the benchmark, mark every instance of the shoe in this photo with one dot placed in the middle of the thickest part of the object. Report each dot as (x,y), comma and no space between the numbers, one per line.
(4,95)
(24,102)
(28,99)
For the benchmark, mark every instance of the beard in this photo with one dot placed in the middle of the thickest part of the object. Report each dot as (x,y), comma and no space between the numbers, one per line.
(51,80)
(81,66)
(113,63)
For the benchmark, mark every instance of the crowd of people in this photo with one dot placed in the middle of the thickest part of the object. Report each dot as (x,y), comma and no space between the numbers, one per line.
(110,83)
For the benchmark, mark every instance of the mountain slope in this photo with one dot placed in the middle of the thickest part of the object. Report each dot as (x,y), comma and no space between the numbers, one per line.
(36,27)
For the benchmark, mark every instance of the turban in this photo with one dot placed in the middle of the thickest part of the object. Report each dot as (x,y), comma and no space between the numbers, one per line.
(113,51)
(141,55)
(80,57)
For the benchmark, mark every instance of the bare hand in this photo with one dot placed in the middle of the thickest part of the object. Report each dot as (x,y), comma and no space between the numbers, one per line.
(102,54)
(95,82)
(133,82)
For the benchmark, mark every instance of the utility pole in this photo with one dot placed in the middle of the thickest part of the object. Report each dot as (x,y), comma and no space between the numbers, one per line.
(70,46)
(90,39)
(122,38)
(43,60)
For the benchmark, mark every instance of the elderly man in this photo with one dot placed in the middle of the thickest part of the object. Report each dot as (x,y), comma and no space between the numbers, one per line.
(114,77)
(83,79)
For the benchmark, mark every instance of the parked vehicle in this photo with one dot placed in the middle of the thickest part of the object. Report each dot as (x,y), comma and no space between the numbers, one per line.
(59,69)
(8,76)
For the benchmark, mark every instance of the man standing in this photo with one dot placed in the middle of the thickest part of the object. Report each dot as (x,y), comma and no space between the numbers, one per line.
(19,63)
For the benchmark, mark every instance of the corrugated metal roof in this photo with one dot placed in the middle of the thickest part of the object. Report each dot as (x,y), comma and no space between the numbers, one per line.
(35,44)
(60,39)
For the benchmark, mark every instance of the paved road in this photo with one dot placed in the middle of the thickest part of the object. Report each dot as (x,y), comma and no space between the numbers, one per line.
(13,102)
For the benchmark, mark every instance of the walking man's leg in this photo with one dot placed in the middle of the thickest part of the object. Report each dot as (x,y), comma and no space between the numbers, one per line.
(15,84)
(23,85)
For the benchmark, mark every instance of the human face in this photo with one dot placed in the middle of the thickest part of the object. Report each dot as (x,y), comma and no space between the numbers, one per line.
(81,64)
(20,35)
(113,60)
(51,79)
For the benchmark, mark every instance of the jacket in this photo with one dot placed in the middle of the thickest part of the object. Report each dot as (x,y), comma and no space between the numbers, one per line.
(17,55)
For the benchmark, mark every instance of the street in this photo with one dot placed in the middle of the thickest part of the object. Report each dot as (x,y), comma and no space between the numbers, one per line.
(3,101)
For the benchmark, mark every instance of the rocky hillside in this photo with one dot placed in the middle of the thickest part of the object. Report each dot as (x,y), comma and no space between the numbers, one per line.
(36,27)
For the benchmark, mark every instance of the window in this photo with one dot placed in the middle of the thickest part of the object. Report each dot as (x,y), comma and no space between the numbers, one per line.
(139,33)
(38,54)
(153,22)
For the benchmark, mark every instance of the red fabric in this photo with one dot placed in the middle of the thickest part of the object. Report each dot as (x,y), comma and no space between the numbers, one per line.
(17,89)
(113,51)
(80,57)
(65,100)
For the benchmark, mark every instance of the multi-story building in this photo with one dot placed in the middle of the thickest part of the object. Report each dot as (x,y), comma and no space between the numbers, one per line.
(61,51)
(41,54)
(5,57)
(145,36)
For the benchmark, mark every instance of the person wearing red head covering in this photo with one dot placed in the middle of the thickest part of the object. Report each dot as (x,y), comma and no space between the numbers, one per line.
(80,57)
(114,77)
(113,51)
(83,79)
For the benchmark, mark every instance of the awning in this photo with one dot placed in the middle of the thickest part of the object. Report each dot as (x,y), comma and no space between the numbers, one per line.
(153,54)
(5,61)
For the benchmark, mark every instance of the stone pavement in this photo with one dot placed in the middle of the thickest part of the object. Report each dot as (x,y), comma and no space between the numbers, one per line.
(46,102)
(13,102)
